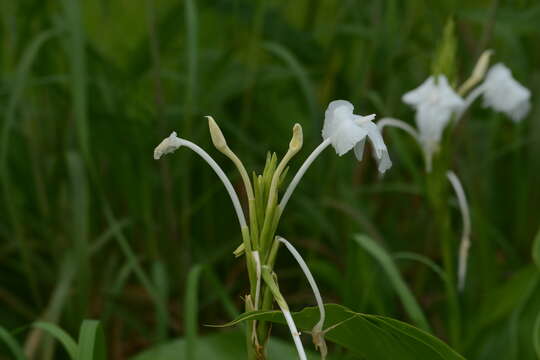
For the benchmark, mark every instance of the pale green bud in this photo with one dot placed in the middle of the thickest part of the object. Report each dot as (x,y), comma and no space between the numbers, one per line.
(297,139)
(217,136)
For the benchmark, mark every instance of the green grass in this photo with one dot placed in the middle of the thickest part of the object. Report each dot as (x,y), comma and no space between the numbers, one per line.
(92,227)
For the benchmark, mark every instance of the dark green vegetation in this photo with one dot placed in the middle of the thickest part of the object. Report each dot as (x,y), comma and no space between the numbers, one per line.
(92,227)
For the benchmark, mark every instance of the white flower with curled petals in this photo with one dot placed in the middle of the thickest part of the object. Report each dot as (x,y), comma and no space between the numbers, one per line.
(503,93)
(346,131)
(167,146)
(434,101)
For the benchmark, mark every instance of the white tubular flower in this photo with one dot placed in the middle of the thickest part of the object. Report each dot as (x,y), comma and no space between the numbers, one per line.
(435,102)
(503,93)
(173,142)
(346,130)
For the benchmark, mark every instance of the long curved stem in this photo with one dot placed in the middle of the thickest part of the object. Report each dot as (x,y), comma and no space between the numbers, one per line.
(300,173)
(473,95)
(400,124)
(219,172)
(465,237)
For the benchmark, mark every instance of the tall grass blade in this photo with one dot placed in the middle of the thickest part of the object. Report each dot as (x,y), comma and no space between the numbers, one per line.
(191,309)
(302,77)
(78,78)
(80,226)
(14,214)
(385,260)
(159,302)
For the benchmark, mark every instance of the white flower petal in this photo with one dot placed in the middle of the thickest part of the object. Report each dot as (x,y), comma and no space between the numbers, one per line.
(420,94)
(359,149)
(504,94)
(340,126)
(435,102)
(168,145)
(331,118)
(380,150)
(347,135)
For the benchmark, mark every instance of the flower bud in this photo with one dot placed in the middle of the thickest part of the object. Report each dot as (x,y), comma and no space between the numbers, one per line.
(217,136)
(297,139)
(482,65)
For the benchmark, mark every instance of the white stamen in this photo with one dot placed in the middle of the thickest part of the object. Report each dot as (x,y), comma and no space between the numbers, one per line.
(172,143)
(473,95)
(317,329)
(400,124)
(300,173)
(465,238)
(294,332)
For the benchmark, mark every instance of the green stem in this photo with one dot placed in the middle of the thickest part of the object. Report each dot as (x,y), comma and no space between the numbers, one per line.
(437,191)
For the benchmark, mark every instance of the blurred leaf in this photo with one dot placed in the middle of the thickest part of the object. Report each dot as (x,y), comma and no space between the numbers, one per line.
(391,270)
(65,339)
(229,345)
(536,336)
(536,249)
(12,344)
(367,336)
(191,311)
(91,341)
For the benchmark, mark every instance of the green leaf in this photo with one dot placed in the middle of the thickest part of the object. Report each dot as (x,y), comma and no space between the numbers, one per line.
(65,339)
(536,249)
(230,345)
(391,270)
(12,344)
(366,336)
(91,341)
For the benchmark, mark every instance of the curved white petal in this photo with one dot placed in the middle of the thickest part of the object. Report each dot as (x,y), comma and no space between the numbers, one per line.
(343,128)
(347,135)
(420,94)
(504,94)
(380,150)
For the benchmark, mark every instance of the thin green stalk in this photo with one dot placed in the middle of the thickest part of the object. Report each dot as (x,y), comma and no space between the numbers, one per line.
(437,191)
(191,310)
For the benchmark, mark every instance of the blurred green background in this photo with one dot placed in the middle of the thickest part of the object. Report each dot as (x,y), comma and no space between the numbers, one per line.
(92,227)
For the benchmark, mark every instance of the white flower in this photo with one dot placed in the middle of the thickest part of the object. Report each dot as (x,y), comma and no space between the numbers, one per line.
(346,130)
(168,145)
(435,102)
(503,93)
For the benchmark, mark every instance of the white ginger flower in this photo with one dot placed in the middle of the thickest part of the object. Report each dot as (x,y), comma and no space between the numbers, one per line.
(434,101)
(346,130)
(504,94)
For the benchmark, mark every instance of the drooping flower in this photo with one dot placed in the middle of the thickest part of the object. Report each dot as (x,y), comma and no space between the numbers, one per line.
(434,101)
(346,131)
(503,93)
